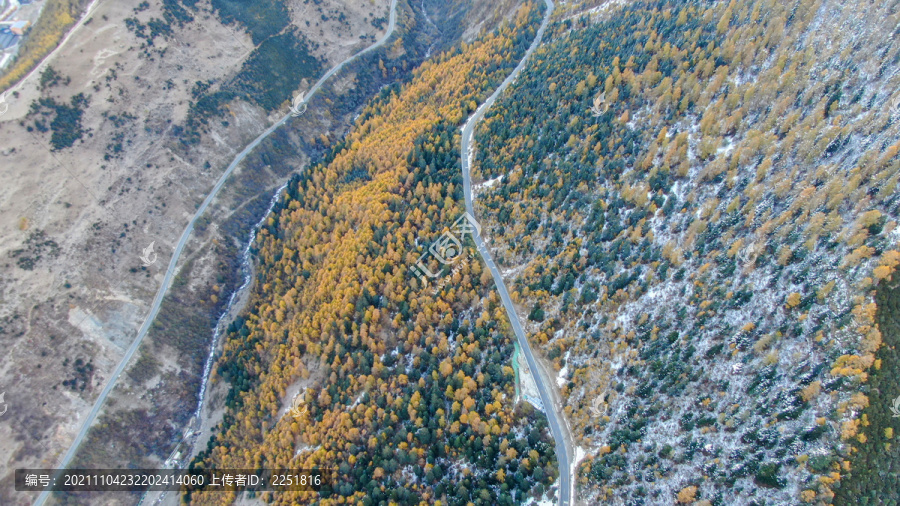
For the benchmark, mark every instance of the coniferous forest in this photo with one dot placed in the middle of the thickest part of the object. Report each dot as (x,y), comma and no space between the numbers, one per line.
(406,394)
(695,206)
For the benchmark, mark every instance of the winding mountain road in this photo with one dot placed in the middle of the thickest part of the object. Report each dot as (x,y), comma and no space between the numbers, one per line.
(170,271)
(557,425)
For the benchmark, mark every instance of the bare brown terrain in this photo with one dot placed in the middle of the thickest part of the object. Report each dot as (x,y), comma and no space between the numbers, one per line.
(75,222)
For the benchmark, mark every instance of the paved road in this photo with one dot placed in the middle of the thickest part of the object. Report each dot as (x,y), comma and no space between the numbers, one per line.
(557,425)
(170,272)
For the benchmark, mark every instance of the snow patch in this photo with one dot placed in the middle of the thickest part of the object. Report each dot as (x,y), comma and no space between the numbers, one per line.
(543,501)
(561,377)
(490,182)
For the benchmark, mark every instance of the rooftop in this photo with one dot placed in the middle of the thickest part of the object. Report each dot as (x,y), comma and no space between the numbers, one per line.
(8,39)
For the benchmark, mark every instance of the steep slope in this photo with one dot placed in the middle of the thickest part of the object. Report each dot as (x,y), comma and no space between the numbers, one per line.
(347,359)
(95,178)
(694,202)
(78,221)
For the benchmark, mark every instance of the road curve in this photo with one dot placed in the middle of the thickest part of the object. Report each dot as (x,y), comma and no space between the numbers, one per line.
(557,426)
(170,271)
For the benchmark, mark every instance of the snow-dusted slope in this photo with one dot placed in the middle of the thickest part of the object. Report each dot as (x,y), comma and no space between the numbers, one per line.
(704,199)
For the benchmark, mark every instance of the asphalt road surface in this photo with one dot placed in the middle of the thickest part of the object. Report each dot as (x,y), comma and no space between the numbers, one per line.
(557,425)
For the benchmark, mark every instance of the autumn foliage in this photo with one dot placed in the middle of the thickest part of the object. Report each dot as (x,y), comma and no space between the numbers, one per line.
(404,390)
